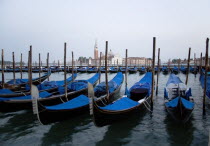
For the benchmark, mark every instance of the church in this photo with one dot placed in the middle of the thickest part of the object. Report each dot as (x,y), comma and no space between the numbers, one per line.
(113,59)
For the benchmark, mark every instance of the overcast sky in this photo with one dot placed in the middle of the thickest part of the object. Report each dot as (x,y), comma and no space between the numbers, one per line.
(126,24)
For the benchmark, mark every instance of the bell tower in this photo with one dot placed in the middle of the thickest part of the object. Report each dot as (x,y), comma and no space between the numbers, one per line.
(96,50)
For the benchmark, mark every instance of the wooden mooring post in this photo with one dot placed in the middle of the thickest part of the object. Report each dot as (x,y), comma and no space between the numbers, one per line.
(30,67)
(2,67)
(72,71)
(21,65)
(100,68)
(188,65)
(65,72)
(126,70)
(205,78)
(195,66)
(158,66)
(106,74)
(200,68)
(39,68)
(13,58)
(48,68)
(153,73)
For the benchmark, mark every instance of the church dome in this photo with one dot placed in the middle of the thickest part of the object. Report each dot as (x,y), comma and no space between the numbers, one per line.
(110,53)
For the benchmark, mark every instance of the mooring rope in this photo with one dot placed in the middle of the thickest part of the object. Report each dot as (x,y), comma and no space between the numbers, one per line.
(61,99)
(147,105)
(102,101)
(23,93)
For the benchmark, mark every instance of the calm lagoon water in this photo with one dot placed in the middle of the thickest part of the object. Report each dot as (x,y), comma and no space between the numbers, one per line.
(156,128)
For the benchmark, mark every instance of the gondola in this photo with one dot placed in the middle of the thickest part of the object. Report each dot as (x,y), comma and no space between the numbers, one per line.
(132,70)
(183,69)
(12,70)
(178,101)
(78,105)
(122,69)
(165,70)
(113,69)
(92,69)
(156,69)
(17,84)
(55,69)
(36,70)
(142,70)
(193,70)
(45,69)
(82,69)
(175,70)
(25,69)
(133,101)
(49,86)
(70,70)
(103,70)
(24,102)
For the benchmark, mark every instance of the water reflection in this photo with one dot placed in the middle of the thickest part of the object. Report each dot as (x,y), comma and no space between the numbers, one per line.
(119,133)
(179,133)
(62,132)
(18,125)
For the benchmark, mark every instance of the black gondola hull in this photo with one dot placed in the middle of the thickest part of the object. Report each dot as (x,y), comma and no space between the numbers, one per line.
(51,116)
(142,71)
(104,117)
(180,113)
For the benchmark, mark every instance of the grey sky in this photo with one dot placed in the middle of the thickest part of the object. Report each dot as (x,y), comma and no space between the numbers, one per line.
(131,24)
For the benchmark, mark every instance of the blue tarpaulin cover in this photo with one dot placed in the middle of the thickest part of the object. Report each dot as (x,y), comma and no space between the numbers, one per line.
(102,69)
(143,68)
(79,101)
(165,93)
(145,82)
(207,83)
(175,68)
(183,68)
(92,69)
(172,103)
(164,68)
(187,104)
(192,69)
(113,85)
(133,68)
(6,91)
(121,104)
(82,69)
(113,69)
(41,95)
(156,68)
(82,84)
(94,78)
(77,85)
(51,84)
(173,79)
